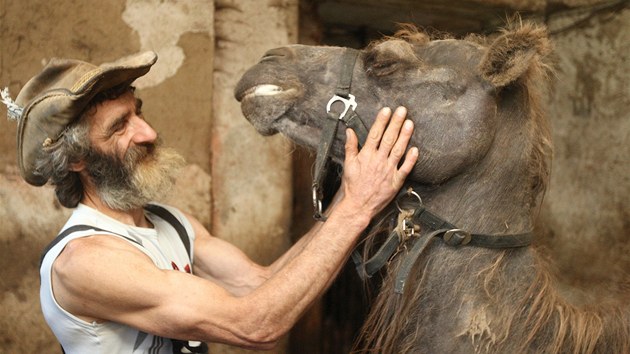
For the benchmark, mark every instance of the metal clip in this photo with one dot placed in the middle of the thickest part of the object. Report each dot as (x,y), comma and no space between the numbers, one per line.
(406,227)
(349,102)
(457,237)
(409,228)
(317,205)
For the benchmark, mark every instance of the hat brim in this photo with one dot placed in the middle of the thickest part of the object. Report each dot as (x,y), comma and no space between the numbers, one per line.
(48,114)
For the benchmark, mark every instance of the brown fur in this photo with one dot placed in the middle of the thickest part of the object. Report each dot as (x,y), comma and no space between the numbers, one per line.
(485,158)
(520,307)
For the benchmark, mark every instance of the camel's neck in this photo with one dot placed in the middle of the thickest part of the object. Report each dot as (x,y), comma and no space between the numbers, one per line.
(496,195)
(491,205)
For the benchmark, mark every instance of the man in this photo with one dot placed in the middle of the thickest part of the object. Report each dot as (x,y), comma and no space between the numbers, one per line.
(118,279)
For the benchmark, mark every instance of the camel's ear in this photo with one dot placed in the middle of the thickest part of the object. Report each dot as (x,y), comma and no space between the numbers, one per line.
(513,53)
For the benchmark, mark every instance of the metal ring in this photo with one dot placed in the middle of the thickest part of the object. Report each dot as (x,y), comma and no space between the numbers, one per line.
(317,203)
(410,192)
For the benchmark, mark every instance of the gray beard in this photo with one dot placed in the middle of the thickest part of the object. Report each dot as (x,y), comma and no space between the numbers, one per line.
(146,173)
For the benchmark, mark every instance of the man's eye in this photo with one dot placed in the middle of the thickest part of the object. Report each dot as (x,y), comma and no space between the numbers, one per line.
(119,126)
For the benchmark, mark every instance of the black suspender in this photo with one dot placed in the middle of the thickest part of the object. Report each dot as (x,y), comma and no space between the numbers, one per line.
(176,224)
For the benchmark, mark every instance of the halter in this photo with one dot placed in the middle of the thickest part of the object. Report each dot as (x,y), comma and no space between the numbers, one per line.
(329,130)
(409,220)
(407,232)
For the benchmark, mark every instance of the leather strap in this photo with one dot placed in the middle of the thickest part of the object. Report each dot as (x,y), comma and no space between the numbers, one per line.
(368,268)
(356,123)
(329,132)
(403,272)
(459,237)
(330,127)
(450,234)
(348,59)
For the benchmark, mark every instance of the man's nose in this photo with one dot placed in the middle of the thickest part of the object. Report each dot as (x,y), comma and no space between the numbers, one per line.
(142,131)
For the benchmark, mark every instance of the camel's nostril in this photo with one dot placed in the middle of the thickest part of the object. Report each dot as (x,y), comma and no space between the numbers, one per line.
(276,53)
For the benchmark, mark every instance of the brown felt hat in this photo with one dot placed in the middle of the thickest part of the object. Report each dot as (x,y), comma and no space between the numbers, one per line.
(58,95)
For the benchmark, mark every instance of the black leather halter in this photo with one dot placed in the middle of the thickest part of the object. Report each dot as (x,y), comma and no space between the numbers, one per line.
(407,233)
(410,220)
(329,130)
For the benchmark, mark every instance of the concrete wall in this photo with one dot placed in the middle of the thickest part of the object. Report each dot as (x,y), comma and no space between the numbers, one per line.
(586,214)
(188,99)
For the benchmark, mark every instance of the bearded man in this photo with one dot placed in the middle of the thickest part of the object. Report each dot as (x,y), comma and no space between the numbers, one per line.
(112,280)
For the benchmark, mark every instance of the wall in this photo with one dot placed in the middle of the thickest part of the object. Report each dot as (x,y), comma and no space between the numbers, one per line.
(586,214)
(188,99)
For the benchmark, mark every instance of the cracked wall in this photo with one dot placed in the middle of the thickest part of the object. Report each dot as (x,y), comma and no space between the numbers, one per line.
(180,101)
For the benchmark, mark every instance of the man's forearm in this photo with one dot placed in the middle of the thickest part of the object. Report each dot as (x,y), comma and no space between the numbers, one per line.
(304,277)
(298,247)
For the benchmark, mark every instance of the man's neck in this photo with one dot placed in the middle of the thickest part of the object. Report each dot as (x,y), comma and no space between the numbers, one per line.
(134,217)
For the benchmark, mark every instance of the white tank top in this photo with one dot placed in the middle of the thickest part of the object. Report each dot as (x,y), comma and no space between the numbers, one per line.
(167,252)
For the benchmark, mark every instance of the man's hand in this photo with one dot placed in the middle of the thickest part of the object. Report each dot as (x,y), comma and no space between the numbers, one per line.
(372,177)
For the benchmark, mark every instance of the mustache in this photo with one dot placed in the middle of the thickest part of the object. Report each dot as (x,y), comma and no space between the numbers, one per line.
(138,153)
(111,169)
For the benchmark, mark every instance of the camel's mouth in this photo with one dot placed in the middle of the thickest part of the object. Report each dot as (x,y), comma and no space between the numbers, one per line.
(264,104)
(260,90)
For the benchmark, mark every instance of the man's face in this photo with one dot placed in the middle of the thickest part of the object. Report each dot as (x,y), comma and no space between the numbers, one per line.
(125,163)
(119,124)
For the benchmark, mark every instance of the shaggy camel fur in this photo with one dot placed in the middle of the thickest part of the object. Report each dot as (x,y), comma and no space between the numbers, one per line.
(485,155)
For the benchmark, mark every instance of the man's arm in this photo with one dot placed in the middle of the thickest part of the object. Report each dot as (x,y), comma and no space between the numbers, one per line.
(104,278)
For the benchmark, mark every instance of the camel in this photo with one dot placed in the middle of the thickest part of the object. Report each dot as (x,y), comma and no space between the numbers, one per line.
(485,155)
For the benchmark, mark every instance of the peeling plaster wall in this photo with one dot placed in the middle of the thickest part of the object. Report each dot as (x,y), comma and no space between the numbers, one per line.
(178,95)
(160,25)
(178,103)
(251,174)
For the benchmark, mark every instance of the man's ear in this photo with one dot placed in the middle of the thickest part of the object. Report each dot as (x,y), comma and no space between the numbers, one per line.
(513,53)
(77,166)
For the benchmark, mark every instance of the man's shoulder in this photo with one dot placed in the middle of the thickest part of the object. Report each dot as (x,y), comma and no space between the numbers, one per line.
(97,242)
(94,249)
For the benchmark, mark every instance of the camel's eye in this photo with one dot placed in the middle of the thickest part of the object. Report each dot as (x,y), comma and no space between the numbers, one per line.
(382,68)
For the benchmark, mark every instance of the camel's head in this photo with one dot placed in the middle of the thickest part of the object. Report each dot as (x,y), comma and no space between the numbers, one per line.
(451,88)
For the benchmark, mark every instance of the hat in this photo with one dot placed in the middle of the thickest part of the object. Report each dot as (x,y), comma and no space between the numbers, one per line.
(58,95)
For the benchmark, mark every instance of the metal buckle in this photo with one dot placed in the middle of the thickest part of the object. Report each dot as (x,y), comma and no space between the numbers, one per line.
(317,204)
(348,103)
(406,227)
(457,237)
(409,228)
